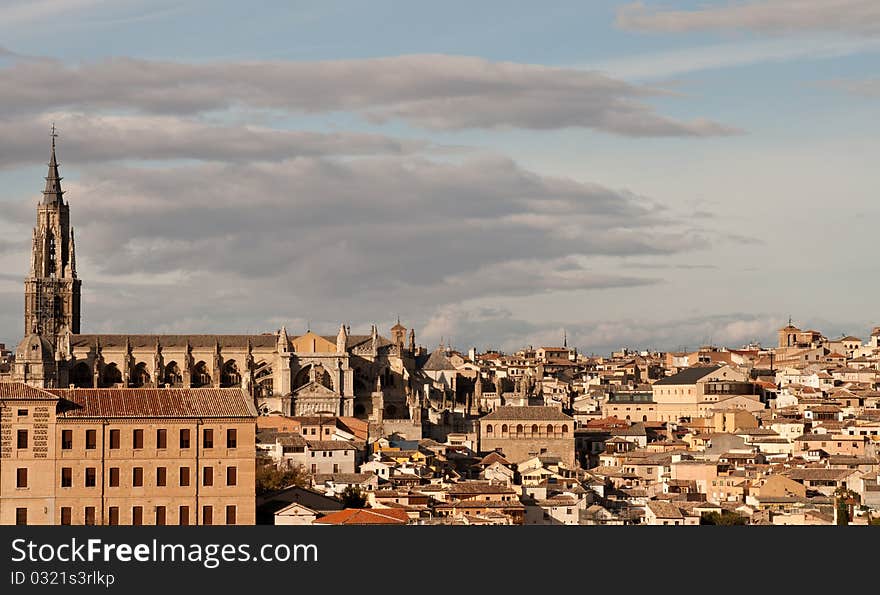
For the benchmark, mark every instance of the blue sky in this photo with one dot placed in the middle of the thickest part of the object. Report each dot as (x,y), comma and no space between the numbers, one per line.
(645,174)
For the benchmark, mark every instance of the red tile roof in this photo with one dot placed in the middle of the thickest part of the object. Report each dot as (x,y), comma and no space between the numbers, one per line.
(365,516)
(157,402)
(22,392)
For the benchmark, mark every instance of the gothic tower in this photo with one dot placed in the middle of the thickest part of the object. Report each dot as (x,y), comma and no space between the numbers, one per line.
(52,291)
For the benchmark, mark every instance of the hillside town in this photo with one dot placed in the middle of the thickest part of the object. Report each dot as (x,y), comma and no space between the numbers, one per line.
(780,436)
(375,429)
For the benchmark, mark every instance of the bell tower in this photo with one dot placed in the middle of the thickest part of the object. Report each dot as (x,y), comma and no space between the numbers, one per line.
(52,290)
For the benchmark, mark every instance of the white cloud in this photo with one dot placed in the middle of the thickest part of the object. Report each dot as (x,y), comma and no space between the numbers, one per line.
(663,64)
(498,328)
(430,91)
(100,138)
(768,16)
(860,87)
(325,236)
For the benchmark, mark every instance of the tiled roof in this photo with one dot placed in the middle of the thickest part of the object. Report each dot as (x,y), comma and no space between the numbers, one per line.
(343,477)
(291,439)
(365,516)
(331,445)
(157,402)
(196,341)
(664,510)
(818,474)
(687,376)
(478,487)
(438,361)
(20,391)
(537,413)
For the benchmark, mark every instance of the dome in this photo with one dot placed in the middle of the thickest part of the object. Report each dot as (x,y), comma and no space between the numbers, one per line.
(35,348)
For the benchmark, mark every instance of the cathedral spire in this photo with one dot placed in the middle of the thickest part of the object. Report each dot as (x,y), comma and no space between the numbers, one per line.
(71,263)
(53,192)
(52,289)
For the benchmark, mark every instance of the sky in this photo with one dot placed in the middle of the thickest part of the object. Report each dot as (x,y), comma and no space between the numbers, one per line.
(651,175)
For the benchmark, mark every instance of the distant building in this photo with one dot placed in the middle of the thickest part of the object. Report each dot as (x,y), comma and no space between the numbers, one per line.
(524,432)
(136,457)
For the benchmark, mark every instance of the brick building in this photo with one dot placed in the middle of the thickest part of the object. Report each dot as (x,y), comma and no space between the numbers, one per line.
(126,456)
(524,432)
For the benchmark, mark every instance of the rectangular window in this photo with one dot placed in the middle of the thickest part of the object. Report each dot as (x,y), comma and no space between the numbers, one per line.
(160,476)
(91,477)
(231,438)
(137,439)
(21,478)
(137,515)
(184,476)
(91,439)
(65,515)
(207,438)
(22,412)
(66,477)
(335,468)
(314,468)
(160,515)
(137,477)
(183,515)
(21,516)
(66,439)
(22,440)
(230,515)
(90,515)
(184,438)
(231,476)
(114,439)
(114,477)
(207,515)
(113,515)
(208,476)
(162,438)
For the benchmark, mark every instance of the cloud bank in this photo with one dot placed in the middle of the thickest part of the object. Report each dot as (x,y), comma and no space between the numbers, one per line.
(765,16)
(437,92)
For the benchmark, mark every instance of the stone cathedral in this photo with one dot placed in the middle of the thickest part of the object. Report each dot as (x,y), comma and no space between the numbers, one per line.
(372,377)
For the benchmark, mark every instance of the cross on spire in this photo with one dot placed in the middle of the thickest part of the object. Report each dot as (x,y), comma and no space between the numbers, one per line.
(53,192)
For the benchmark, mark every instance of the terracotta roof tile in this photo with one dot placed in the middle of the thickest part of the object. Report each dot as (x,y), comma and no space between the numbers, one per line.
(157,402)
(365,516)
(19,391)
(536,413)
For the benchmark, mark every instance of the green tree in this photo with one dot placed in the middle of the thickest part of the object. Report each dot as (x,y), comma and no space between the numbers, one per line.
(844,500)
(352,497)
(726,518)
(270,478)
(842,512)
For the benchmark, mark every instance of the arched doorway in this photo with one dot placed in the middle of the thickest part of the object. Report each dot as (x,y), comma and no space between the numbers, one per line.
(173,377)
(263,380)
(230,376)
(81,376)
(112,376)
(140,376)
(200,375)
(305,375)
